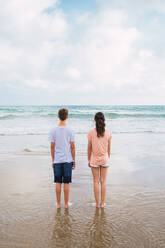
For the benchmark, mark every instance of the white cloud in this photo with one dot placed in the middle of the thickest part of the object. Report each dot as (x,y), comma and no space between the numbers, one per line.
(96,52)
(38,83)
(106,48)
(30,39)
(72,72)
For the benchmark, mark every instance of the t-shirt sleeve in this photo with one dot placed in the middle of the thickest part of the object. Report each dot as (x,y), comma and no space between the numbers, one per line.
(51,137)
(72,139)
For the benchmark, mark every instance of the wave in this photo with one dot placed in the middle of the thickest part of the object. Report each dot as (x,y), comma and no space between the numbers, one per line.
(115,115)
(81,115)
(10,116)
(22,134)
(84,133)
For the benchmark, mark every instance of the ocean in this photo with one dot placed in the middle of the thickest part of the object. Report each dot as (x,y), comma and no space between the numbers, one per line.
(26,128)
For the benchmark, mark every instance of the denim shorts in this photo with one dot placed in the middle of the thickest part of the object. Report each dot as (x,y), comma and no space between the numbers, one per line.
(63,172)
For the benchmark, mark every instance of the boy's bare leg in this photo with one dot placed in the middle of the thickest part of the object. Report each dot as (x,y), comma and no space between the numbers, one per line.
(95,172)
(58,194)
(66,194)
(103,175)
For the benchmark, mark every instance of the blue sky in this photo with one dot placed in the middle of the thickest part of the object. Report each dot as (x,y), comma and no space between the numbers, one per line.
(82,52)
(75,5)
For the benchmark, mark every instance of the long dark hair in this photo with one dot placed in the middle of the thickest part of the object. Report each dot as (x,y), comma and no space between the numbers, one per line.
(100,124)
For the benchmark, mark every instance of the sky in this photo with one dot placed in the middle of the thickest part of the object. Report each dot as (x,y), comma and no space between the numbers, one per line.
(82,52)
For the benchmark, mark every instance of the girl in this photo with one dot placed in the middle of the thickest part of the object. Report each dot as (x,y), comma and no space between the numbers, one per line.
(99,150)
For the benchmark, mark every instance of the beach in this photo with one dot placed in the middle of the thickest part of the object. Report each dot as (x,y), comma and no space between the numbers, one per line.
(134,212)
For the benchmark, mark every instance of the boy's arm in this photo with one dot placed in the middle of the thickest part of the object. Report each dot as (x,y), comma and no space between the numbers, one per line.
(52,148)
(89,151)
(109,146)
(72,146)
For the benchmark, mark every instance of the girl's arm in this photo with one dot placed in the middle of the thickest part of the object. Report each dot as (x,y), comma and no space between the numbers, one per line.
(89,151)
(109,146)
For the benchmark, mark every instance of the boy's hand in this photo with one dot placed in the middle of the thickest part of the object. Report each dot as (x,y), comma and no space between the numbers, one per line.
(74,165)
(52,165)
(89,164)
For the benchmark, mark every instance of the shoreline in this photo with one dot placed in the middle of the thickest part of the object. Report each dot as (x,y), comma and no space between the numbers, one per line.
(123,170)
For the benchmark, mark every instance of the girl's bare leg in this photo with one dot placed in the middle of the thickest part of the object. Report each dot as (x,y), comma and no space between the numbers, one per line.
(58,194)
(66,194)
(103,175)
(95,172)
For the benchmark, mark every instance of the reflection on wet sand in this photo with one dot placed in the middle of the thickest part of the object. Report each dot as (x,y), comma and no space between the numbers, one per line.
(62,232)
(99,231)
(95,232)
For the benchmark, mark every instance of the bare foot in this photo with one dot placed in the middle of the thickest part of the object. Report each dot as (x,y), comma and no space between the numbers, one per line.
(66,205)
(97,205)
(102,205)
(58,206)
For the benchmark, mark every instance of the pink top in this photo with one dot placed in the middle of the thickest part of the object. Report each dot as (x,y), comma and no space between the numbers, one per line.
(99,155)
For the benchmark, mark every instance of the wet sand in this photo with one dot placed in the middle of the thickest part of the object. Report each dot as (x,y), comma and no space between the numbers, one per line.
(133,216)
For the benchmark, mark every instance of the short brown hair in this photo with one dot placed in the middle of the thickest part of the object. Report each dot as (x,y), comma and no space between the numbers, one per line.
(63,114)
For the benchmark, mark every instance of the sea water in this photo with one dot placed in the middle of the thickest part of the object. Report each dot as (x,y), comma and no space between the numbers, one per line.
(27,127)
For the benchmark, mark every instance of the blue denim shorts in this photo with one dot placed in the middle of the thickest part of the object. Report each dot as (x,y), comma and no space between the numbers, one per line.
(63,172)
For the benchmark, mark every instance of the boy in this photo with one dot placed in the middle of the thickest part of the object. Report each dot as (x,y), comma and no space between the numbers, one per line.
(63,156)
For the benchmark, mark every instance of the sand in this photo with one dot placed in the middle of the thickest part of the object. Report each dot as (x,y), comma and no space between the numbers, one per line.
(133,215)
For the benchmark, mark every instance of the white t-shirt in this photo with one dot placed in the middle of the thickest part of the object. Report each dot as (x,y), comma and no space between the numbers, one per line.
(62,136)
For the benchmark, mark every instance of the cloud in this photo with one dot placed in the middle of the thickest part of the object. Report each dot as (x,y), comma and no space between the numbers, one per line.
(96,53)
(73,73)
(30,39)
(107,47)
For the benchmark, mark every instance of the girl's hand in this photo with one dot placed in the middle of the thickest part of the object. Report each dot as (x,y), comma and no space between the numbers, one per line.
(89,164)
(52,165)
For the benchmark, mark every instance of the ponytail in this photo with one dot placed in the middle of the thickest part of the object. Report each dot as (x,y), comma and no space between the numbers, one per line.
(100,124)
